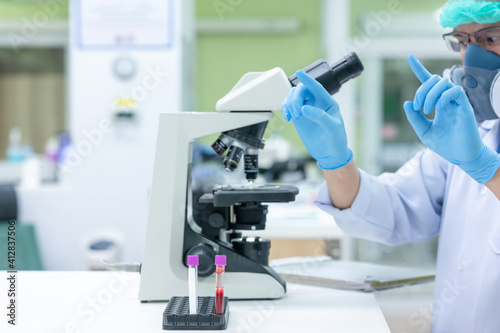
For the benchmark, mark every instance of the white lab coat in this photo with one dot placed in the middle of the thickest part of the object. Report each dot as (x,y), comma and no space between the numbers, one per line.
(425,197)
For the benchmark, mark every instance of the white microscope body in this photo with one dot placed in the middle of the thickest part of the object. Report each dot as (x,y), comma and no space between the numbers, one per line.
(163,273)
(171,233)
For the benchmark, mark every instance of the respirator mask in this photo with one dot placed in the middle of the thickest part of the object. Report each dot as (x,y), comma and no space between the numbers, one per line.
(480,78)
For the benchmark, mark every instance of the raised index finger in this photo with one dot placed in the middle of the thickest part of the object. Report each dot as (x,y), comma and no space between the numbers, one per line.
(420,71)
(313,86)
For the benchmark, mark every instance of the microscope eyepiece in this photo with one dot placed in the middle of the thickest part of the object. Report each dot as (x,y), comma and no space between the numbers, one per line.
(347,68)
(332,77)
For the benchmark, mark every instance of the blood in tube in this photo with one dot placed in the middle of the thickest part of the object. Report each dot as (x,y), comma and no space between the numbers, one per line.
(220,265)
(219,301)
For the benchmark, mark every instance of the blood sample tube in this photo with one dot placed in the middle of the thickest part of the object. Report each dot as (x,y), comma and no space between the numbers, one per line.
(193,263)
(220,266)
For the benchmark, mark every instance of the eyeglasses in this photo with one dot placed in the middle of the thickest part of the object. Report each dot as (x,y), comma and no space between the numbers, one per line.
(486,38)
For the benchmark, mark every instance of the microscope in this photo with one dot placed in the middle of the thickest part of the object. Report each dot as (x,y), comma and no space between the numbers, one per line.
(181,223)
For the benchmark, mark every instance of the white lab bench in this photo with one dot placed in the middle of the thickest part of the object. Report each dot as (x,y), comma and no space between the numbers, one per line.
(51,301)
(12,173)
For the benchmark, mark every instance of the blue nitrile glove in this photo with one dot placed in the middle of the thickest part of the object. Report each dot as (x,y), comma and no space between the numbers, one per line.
(453,132)
(318,121)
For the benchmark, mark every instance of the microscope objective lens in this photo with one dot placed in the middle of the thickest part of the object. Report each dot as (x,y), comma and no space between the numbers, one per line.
(221,144)
(251,164)
(233,158)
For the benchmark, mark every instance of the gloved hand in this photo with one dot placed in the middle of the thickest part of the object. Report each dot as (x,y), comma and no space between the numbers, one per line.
(453,133)
(318,121)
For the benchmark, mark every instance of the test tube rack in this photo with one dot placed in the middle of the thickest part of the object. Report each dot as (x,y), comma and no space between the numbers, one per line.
(177,317)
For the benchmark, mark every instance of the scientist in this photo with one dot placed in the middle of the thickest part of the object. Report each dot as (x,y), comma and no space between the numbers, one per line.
(451,189)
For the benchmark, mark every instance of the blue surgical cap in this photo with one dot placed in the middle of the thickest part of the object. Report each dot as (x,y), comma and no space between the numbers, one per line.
(459,12)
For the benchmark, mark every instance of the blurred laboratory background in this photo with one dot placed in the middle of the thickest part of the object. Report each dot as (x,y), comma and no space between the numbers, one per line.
(81,88)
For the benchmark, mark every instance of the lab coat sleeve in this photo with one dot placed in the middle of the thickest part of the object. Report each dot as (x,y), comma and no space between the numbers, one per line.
(395,208)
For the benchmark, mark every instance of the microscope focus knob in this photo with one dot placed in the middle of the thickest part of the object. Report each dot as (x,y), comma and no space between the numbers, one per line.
(255,248)
(216,220)
(206,255)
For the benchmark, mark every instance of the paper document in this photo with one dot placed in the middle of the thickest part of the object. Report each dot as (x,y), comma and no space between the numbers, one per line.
(350,275)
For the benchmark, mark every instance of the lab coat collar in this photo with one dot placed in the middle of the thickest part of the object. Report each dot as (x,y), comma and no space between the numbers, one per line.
(492,137)
(488,124)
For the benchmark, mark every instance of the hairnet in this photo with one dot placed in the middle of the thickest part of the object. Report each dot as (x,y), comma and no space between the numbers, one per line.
(459,12)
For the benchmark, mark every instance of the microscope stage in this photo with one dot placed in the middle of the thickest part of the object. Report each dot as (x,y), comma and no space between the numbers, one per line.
(228,195)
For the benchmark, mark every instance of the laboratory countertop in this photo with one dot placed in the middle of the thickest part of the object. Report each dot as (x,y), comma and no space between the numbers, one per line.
(49,301)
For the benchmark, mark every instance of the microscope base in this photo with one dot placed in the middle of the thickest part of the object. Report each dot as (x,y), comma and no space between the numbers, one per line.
(238,285)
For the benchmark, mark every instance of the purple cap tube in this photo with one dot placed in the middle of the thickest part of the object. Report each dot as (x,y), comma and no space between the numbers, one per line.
(193,263)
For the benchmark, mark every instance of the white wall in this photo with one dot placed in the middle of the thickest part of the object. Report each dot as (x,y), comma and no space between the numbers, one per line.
(108,182)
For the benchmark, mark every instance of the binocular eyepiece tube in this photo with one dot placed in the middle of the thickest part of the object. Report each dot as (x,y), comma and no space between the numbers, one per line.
(332,77)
